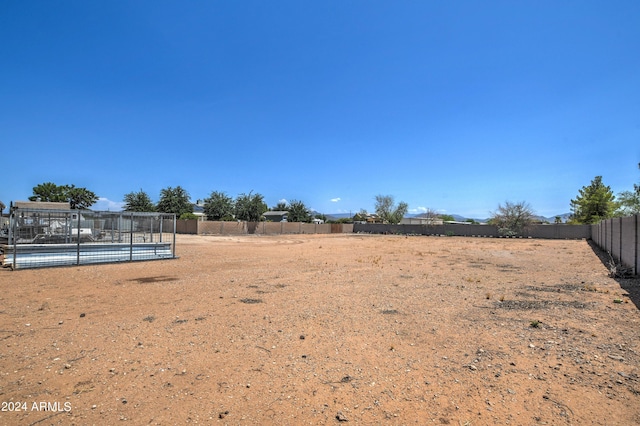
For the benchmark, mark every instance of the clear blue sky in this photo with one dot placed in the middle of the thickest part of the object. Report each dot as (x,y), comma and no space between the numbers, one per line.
(452,105)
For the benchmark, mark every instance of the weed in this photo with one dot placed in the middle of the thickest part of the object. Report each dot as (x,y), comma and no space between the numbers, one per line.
(534,324)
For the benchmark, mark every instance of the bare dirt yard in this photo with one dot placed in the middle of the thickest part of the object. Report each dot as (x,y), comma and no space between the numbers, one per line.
(325,329)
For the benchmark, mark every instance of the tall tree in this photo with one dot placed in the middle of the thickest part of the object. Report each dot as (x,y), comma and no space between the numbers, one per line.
(388,211)
(138,202)
(593,203)
(512,218)
(281,206)
(219,206)
(78,198)
(81,198)
(298,212)
(50,192)
(249,207)
(629,201)
(175,200)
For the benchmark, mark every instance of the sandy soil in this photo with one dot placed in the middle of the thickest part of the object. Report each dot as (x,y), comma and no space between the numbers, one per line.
(325,329)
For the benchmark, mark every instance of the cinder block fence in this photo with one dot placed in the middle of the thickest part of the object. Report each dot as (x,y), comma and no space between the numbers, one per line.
(619,236)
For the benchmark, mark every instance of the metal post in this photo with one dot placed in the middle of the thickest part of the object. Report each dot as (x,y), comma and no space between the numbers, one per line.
(12,237)
(174,235)
(161,222)
(635,249)
(131,239)
(78,242)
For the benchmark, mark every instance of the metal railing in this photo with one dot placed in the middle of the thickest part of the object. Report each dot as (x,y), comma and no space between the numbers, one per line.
(40,237)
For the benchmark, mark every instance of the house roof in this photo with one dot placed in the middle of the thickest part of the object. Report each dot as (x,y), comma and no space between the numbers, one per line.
(275,213)
(41,205)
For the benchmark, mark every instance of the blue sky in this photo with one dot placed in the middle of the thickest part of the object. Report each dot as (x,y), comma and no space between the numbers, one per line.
(450,105)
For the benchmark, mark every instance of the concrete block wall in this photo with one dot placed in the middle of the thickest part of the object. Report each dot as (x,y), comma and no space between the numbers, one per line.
(260,228)
(555,231)
(620,237)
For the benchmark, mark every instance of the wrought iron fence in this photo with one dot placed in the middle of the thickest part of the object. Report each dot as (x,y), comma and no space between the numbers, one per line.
(41,237)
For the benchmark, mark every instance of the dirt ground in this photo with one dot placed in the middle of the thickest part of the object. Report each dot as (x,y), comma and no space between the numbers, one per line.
(325,329)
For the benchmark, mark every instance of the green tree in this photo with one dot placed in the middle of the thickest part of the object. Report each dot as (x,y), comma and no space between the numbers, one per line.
(629,201)
(281,206)
(558,219)
(188,216)
(81,198)
(593,203)
(447,218)
(388,211)
(50,192)
(138,202)
(219,206)
(78,198)
(175,200)
(250,207)
(512,218)
(298,212)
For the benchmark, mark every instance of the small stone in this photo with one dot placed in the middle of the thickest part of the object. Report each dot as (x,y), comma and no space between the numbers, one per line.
(340,417)
(82,315)
(473,367)
(67,366)
(302,337)
(60,322)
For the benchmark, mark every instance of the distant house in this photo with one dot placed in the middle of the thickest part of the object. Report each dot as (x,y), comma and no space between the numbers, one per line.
(198,210)
(421,221)
(317,221)
(276,216)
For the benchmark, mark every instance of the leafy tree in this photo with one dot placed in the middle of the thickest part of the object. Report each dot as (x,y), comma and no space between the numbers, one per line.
(188,216)
(81,198)
(250,207)
(281,206)
(50,192)
(447,218)
(78,198)
(219,206)
(629,201)
(175,200)
(512,218)
(558,219)
(593,203)
(298,212)
(388,211)
(138,202)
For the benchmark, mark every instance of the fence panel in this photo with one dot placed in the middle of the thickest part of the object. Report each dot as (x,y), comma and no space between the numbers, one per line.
(44,237)
(616,237)
(628,245)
